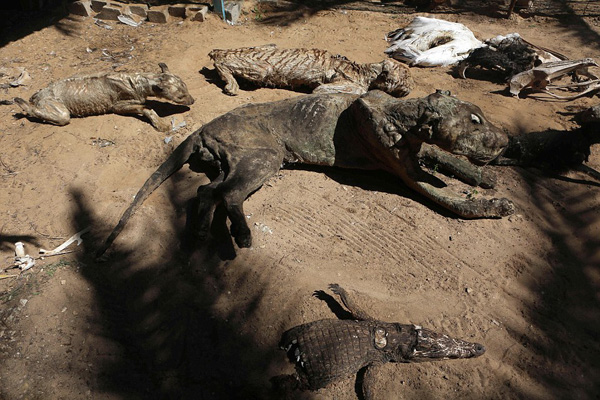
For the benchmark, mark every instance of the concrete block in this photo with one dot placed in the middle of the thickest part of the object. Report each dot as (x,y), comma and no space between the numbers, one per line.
(109,13)
(159,15)
(196,13)
(232,11)
(83,8)
(138,9)
(97,5)
(177,10)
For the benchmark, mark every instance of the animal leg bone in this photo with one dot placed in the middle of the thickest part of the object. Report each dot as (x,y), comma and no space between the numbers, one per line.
(75,238)
(589,87)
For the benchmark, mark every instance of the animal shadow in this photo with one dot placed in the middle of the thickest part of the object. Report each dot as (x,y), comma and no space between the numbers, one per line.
(165,109)
(212,76)
(333,304)
(219,242)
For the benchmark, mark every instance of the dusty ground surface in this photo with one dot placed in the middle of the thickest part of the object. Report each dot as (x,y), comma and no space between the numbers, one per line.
(153,322)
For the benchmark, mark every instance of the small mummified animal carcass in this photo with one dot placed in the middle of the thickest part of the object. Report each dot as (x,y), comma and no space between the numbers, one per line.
(119,93)
(331,349)
(317,70)
(554,151)
(539,78)
(507,55)
(243,148)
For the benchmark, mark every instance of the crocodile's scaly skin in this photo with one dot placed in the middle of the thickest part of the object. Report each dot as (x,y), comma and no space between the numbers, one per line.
(330,349)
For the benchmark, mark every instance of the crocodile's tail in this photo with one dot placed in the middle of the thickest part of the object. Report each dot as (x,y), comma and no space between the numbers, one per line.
(173,164)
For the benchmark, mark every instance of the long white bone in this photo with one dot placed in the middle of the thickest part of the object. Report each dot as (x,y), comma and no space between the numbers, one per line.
(75,238)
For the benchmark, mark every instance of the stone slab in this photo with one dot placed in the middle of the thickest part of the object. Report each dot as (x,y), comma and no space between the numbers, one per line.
(83,8)
(158,15)
(138,9)
(97,5)
(110,13)
(177,10)
(196,13)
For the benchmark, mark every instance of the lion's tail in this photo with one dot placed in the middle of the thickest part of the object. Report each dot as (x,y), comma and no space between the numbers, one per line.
(173,164)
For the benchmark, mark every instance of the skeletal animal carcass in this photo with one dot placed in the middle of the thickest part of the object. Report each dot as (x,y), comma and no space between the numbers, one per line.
(314,69)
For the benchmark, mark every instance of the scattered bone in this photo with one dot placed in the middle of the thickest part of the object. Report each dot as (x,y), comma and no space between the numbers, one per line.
(102,24)
(22,80)
(19,249)
(540,77)
(127,20)
(22,261)
(75,238)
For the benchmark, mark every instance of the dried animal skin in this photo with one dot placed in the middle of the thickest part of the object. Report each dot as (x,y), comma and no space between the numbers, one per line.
(314,69)
(431,42)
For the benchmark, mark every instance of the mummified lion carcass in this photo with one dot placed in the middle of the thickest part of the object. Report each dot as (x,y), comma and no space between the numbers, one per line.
(243,148)
(120,93)
(317,70)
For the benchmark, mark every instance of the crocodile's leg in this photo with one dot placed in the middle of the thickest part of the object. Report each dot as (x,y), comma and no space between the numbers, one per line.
(283,386)
(130,108)
(246,175)
(357,313)
(368,383)
(464,170)
(51,111)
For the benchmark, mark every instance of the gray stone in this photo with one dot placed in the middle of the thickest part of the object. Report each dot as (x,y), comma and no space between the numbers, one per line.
(232,11)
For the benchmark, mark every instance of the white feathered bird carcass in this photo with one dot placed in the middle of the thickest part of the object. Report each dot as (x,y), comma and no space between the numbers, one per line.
(431,42)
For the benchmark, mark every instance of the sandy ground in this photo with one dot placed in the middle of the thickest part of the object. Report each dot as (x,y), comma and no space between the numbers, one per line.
(154,322)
